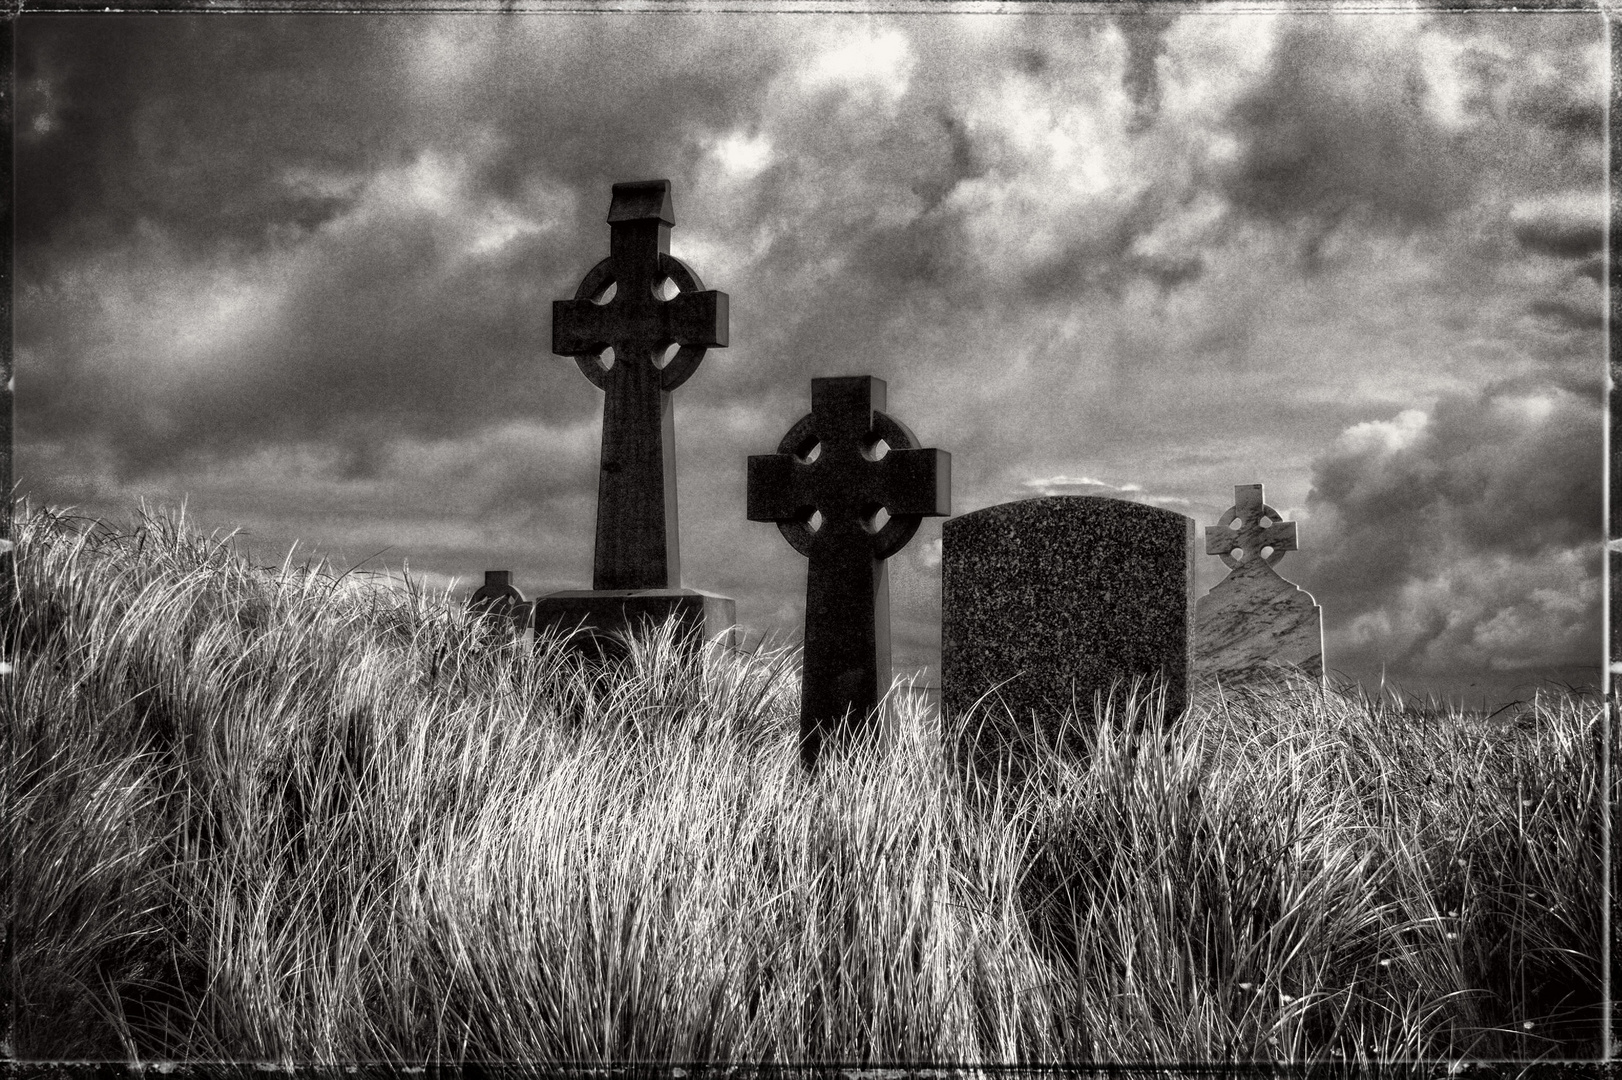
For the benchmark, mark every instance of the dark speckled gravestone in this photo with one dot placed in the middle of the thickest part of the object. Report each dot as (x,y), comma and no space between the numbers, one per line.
(1049,600)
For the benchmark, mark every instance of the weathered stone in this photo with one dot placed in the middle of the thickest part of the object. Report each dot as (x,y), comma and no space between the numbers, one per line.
(637,570)
(636,492)
(497,598)
(832,474)
(1045,602)
(1253,620)
(497,595)
(603,616)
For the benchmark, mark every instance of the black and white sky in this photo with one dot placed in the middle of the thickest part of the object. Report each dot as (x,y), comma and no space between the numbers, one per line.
(298,270)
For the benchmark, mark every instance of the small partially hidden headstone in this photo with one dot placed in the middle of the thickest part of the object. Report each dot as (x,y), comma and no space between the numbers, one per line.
(835,473)
(639,301)
(497,598)
(1253,620)
(1045,602)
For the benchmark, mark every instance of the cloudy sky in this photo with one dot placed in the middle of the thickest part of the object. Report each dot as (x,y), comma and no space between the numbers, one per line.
(299,270)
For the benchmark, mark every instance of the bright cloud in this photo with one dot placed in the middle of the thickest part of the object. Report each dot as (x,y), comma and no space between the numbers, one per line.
(878,63)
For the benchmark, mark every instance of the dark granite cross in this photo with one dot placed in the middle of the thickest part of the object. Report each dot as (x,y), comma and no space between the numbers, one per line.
(1241,529)
(824,487)
(636,489)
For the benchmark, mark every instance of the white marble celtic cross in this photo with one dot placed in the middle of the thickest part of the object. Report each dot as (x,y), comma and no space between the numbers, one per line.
(1253,618)
(1249,526)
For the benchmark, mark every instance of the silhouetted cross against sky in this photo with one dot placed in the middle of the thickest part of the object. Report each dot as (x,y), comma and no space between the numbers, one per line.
(833,473)
(637,545)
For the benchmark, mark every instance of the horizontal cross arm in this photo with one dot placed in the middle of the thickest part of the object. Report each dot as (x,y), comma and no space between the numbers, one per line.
(774,494)
(1220,539)
(918,482)
(1280,534)
(697,318)
(578,327)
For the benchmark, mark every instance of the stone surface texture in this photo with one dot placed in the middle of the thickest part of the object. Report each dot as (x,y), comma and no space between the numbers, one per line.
(603,615)
(625,303)
(497,598)
(637,545)
(1253,620)
(823,488)
(1046,601)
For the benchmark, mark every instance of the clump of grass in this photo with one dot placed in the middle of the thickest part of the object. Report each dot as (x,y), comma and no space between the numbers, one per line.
(1289,873)
(288,815)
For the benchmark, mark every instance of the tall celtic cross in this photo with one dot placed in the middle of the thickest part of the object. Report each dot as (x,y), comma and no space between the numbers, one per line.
(625,303)
(1240,536)
(834,471)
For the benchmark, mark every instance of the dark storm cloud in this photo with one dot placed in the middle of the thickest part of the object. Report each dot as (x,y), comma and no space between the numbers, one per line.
(1338,126)
(187,122)
(1565,232)
(1567,316)
(1433,526)
(369,338)
(1543,76)
(299,148)
(1142,32)
(962,162)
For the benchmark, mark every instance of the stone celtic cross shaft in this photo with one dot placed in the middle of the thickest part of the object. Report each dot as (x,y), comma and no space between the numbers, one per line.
(636,490)
(1241,530)
(824,488)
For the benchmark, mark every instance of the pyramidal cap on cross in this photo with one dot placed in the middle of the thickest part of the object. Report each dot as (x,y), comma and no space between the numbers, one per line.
(640,302)
(835,470)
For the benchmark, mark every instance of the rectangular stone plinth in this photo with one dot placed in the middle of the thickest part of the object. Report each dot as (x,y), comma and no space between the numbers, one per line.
(604,613)
(1046,601)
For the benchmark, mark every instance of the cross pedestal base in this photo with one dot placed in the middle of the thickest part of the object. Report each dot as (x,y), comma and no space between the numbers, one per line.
(602,613)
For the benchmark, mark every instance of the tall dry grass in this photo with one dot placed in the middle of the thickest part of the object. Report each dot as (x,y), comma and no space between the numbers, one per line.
(287,815)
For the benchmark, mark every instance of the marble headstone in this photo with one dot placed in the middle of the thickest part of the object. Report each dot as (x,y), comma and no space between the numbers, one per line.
(1253,620)
(1046,601)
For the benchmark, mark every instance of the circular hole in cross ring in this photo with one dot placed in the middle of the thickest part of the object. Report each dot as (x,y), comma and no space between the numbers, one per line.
(605,359)
(1236,524)
(1267,552)
(1264,522)
(812,454)
(815,521)
(1238,554)
(877,451)
(877,520)
(667,355)
(606,295)
(666,289)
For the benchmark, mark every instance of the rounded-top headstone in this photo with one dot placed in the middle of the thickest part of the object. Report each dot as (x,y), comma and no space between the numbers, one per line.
(1046,601)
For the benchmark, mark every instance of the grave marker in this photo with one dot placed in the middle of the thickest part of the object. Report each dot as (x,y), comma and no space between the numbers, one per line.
(1046,601)
(625,303)
(1253,619)
(497,598)
(832,474)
